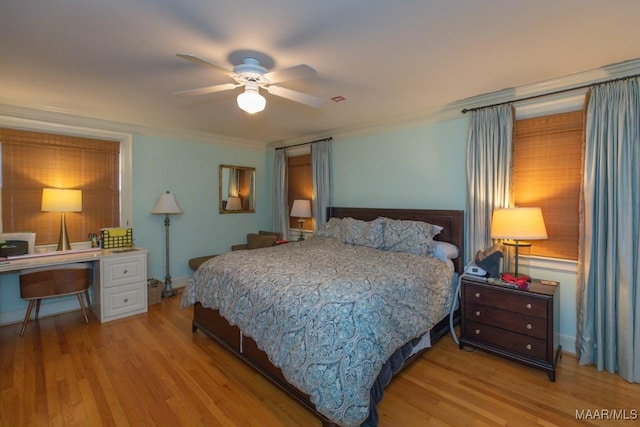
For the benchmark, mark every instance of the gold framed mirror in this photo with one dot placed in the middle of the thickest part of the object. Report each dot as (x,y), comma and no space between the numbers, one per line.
(237,188)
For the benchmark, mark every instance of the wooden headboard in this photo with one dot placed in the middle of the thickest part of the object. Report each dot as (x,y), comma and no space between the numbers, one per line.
(451,220)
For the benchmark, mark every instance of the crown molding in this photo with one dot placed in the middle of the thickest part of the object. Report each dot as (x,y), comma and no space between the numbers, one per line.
(59,117)
(554,102)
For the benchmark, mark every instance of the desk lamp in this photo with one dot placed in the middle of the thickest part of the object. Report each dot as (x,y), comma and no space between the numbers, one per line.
(62,200)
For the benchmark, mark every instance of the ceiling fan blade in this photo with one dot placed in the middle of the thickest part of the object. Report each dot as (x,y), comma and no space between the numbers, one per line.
(293,95)
(207,89)
(198,60)
(292,73)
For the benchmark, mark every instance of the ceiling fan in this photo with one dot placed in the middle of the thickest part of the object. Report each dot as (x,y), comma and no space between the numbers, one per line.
(253,76)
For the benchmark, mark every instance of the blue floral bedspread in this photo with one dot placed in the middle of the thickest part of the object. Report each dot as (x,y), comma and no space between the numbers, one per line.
(328,314)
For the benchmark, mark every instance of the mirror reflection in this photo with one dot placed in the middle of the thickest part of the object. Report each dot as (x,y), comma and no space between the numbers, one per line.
(237,189)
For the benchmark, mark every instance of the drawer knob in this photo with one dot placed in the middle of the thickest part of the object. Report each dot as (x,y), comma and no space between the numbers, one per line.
(125,271)
(126,300)
(477,294)
(529,326)
(477,331)
(528,305)
(478,313)
(529,346)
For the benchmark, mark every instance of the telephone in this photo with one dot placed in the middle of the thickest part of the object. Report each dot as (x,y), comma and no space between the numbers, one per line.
(521,281)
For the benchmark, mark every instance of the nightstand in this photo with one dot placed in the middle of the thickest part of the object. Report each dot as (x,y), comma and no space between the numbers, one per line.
(520,325)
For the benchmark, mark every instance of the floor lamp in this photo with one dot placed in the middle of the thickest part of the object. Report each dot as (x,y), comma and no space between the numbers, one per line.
(167,205)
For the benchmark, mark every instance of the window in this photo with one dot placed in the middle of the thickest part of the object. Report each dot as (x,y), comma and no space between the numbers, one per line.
(547,171)
(300,186)
(124,179)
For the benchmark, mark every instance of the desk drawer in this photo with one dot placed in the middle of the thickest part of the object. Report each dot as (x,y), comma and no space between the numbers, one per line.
(125,300)
(124,270)
(506,299)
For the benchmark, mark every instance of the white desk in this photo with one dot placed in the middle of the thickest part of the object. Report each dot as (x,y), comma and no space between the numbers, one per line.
(119,277)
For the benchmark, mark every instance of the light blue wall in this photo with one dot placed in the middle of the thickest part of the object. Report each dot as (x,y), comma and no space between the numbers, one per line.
(190,171)
(419,167)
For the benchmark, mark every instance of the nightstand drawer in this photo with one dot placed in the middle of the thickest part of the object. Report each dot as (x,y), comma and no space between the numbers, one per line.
(522,344)
(515,322)
(505,299)
(124,270)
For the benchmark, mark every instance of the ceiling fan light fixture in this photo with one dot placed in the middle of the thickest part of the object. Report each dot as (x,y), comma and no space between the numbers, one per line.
(250,100)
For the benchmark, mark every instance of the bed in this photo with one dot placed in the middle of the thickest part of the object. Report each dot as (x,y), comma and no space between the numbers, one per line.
(304,320)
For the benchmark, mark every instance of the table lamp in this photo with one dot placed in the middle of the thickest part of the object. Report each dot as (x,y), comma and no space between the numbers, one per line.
(301,209)
(516,226)
(62,200)
(167,205)
(234,204)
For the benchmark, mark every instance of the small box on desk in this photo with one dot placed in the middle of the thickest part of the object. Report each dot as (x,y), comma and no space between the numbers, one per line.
(154,291)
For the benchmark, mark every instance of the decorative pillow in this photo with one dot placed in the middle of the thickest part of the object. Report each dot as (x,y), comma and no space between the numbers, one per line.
(270,233)
(333,228)
(257,241)
(445,251)
(363,233)
(414,237)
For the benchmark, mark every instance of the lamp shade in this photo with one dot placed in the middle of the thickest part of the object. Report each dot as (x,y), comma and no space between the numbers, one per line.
(518,224)
(234,204)
(167,204)
(250,100)
(61,200)
(301,208)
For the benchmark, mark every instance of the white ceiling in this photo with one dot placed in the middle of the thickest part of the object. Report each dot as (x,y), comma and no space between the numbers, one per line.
(115,60)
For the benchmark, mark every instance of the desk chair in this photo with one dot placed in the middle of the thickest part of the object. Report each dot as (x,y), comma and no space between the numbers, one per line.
(49,282)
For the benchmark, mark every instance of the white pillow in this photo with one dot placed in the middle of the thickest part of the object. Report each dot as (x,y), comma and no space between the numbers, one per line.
(445,251)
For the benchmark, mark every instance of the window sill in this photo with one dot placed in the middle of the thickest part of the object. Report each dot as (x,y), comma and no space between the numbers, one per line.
(553,264)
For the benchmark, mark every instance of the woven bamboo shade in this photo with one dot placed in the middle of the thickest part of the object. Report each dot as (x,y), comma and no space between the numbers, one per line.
(32,161)
(547,170)
(300,184)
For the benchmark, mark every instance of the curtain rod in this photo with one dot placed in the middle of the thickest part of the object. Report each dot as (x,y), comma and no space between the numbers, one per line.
(526,98)
(304,143)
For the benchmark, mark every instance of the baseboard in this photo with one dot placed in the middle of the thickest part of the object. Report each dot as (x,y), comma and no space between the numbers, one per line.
(49,307)
(568,344)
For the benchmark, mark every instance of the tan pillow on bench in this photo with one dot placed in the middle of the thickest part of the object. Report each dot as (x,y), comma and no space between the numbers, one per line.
(257,241)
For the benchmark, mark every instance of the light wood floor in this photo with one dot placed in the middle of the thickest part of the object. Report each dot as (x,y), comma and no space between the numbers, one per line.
(151,370)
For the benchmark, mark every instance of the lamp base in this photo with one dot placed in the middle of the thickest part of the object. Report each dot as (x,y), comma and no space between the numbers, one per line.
(63,240)
(169,293)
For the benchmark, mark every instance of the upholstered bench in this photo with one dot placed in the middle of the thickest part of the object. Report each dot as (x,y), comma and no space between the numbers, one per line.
(254,241)
(195,263)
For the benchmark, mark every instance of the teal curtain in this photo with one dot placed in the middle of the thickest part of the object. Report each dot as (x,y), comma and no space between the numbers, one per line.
(320,169)
(488,172)
(280,204)
(609,261)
